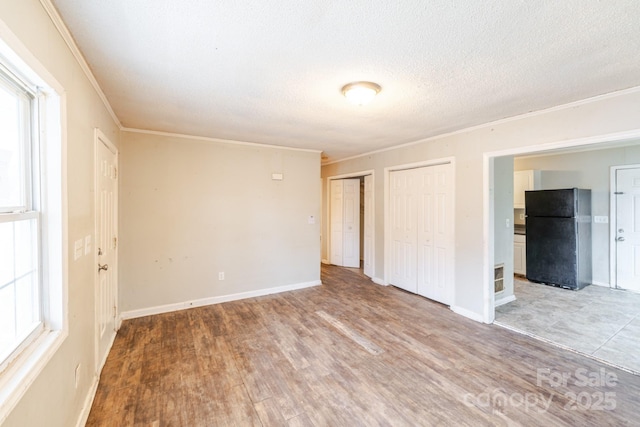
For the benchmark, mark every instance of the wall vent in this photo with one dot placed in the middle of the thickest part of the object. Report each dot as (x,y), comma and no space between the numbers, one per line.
(498,278)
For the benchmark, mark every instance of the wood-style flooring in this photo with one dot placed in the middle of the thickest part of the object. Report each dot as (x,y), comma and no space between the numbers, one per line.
(348,353)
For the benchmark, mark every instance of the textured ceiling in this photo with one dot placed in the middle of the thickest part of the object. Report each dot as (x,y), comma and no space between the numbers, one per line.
(271,71)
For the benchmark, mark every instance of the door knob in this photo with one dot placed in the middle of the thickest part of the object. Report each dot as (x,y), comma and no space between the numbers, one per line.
(620,239)
(103,267)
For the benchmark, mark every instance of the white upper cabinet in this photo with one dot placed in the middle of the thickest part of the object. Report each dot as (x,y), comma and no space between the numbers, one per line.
(524,181)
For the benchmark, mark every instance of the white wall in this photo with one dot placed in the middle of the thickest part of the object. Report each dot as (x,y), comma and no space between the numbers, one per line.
(599,116)
(586,169)
(53,400)
(192,208)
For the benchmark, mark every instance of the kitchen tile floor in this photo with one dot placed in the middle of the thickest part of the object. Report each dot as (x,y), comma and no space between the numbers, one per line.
(597,321)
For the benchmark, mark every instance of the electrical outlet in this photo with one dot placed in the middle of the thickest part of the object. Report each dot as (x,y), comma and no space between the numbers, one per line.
(221,275)
(508,223)
(601,219)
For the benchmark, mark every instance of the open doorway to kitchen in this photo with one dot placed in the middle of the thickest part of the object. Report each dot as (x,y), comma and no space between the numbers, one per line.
(598,319)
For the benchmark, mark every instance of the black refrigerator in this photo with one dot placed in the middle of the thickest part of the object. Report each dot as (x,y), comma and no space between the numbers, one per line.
(558,227)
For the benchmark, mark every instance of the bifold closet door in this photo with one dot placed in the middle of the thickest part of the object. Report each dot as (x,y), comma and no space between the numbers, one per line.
(421,202)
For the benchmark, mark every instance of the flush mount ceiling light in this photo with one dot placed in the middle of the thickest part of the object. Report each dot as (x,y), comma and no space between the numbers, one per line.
(360,93)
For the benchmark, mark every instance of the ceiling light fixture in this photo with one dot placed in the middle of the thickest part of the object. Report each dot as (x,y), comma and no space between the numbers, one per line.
(360,93)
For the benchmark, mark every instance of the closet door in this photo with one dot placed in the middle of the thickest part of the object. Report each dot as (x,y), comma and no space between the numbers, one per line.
(345,222)
(435,233)
(403,230)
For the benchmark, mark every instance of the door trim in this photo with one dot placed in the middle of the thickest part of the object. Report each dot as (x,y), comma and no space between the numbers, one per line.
(101,138)
(613,219)
(328,213)
(387,206)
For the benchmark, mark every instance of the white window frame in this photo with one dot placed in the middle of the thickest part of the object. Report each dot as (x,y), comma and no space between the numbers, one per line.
(50,105)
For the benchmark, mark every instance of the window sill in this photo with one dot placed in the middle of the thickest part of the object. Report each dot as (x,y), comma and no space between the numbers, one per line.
(16,379)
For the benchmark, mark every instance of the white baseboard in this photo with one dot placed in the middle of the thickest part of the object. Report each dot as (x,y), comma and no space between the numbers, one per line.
(603,284)
(467,313)
(325,261)
(214,300)
(88,402)
(379,281)
(504,300)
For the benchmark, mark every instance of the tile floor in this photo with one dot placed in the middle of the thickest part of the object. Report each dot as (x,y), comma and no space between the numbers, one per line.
(597,321)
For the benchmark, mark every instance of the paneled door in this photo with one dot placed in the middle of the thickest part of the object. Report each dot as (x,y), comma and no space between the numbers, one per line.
(435,232)
(404,235)
(105,246)
(421,214)
(345,222)
(628,228)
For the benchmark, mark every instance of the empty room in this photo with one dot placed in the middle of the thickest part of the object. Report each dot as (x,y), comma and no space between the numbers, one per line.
(218,213)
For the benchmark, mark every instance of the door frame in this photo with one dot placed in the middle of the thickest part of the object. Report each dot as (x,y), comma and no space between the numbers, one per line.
(387,207)
(328,213)
(613,220)
(591,142)
(101,138)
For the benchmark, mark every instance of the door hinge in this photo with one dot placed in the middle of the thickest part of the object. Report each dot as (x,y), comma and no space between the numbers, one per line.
(115,312)
(618,192)
(115,173)
(115,242)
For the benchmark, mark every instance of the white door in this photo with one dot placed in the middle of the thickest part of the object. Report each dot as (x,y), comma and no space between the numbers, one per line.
(435,233)
(369,227)
(628,228)
(106,246)
(345,222)
(421,218)
(403,230)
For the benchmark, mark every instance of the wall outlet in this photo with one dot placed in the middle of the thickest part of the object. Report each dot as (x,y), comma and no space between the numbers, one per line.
(221,275)
(508,223)
(601,219)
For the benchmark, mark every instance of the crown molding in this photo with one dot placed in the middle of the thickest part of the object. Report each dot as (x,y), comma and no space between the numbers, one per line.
(217,140)
(495,123)
(75,51)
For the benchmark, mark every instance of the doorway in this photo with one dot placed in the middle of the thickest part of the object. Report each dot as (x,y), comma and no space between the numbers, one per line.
(352,221)
(106,245)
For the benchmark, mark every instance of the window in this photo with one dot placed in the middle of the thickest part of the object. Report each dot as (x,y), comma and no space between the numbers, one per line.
(33,222)
(20,308)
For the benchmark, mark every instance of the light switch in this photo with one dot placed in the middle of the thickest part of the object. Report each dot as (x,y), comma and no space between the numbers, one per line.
(508,223)
(311,219)
(77,249)
(87,245)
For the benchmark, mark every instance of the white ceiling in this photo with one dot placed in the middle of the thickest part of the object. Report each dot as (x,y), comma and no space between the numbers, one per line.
(270,71)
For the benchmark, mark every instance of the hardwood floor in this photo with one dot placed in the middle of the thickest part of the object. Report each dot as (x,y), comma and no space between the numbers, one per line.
(348,353)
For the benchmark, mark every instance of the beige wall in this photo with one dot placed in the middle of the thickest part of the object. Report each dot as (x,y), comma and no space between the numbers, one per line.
(53,400)
(503,212)
(190,209)
(601,116)
(587,169)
